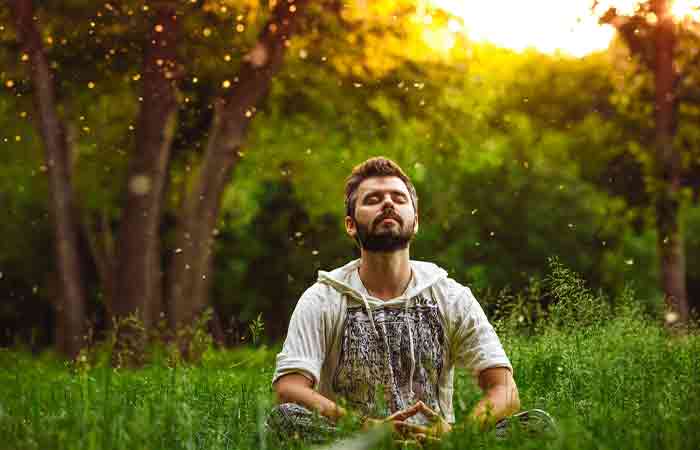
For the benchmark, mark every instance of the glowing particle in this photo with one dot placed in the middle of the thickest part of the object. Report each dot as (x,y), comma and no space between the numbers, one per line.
(248,113)
(140,185)
(240,28)
(206,32)
(159,28)
(195,80)
(9,83)
(226,84)
(18,138)
(227,57)
(25,57)
(136,77)
(91,85)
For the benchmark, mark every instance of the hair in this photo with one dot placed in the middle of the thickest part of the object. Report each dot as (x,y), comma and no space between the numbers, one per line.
(374,167)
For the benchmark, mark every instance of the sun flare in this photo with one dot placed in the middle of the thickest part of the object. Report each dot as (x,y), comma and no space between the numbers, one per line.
(550,26)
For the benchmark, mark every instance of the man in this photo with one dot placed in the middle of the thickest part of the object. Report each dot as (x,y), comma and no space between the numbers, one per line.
(384,333)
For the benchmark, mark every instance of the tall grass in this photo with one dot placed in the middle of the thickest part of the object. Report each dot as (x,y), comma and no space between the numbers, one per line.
(612,377)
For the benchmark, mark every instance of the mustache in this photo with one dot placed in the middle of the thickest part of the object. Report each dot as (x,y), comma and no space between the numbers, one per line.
(388,214)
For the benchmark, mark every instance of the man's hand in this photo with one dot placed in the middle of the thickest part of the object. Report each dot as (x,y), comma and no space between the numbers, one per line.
(297,388)
(408,431)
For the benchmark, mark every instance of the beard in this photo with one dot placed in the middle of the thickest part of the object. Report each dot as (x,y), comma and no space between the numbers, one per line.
(386,240)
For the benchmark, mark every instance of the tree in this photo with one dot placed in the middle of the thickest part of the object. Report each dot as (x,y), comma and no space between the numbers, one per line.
(190,270)
(131,275)
(70,303)
(653,37)
(129,266)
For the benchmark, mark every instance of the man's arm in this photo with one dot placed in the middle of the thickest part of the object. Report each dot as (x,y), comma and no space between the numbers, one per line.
(500,399)
(296,388)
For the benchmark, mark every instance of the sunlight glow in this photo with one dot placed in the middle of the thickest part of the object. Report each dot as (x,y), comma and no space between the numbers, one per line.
(550,26)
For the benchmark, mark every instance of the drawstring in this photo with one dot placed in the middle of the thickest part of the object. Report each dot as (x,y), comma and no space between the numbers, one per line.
(369,313)
(410,342)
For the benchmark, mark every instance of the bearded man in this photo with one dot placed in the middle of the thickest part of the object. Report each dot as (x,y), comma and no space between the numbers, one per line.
(384,333)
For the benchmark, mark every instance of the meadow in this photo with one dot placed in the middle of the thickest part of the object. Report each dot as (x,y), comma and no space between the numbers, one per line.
(613,376)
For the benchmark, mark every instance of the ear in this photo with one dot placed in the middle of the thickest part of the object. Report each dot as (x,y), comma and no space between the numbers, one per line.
(350,227)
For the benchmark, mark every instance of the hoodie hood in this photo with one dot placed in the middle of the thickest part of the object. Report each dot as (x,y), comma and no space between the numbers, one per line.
(344,280)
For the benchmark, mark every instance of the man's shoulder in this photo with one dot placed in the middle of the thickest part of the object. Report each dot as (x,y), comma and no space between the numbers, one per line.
(320,294)
(453,293)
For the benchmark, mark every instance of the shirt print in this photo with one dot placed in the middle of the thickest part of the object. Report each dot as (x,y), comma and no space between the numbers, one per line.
(379,362)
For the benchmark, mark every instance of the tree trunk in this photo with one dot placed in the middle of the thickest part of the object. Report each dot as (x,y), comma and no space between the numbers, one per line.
(70,301)
(668,200)
(190,270)
(139,275)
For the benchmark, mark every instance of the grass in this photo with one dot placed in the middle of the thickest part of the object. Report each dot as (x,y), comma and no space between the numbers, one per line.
(614,380)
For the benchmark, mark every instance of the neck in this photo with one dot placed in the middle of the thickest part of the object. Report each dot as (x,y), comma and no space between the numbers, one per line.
(385,275)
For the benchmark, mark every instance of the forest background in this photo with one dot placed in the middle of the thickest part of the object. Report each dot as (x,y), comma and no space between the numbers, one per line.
(162,159)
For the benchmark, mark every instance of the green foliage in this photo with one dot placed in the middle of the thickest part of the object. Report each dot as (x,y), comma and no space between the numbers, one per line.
(623,383)
(511,169)
(573,304)
(256,327)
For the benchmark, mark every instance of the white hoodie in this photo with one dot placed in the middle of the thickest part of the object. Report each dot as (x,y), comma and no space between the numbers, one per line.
(382,356)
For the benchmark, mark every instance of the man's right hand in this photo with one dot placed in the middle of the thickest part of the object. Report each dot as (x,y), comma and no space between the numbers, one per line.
(297,388)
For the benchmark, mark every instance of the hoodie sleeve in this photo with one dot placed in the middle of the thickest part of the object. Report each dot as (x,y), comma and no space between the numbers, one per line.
(475,345)
(304,348)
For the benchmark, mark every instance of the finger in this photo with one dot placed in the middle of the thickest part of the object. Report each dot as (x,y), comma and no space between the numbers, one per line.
(429,413)
(406,413)
(423,438)
(420,437)
(406,427)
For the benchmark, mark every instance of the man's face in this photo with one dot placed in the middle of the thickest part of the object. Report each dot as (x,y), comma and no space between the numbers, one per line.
(385,219)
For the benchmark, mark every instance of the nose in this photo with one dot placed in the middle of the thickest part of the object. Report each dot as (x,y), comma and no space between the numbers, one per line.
(387,202)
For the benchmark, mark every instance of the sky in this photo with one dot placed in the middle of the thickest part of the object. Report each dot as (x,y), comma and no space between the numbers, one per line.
(567,26)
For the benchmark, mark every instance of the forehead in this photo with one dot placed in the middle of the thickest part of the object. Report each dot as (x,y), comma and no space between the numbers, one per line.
(389,183)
